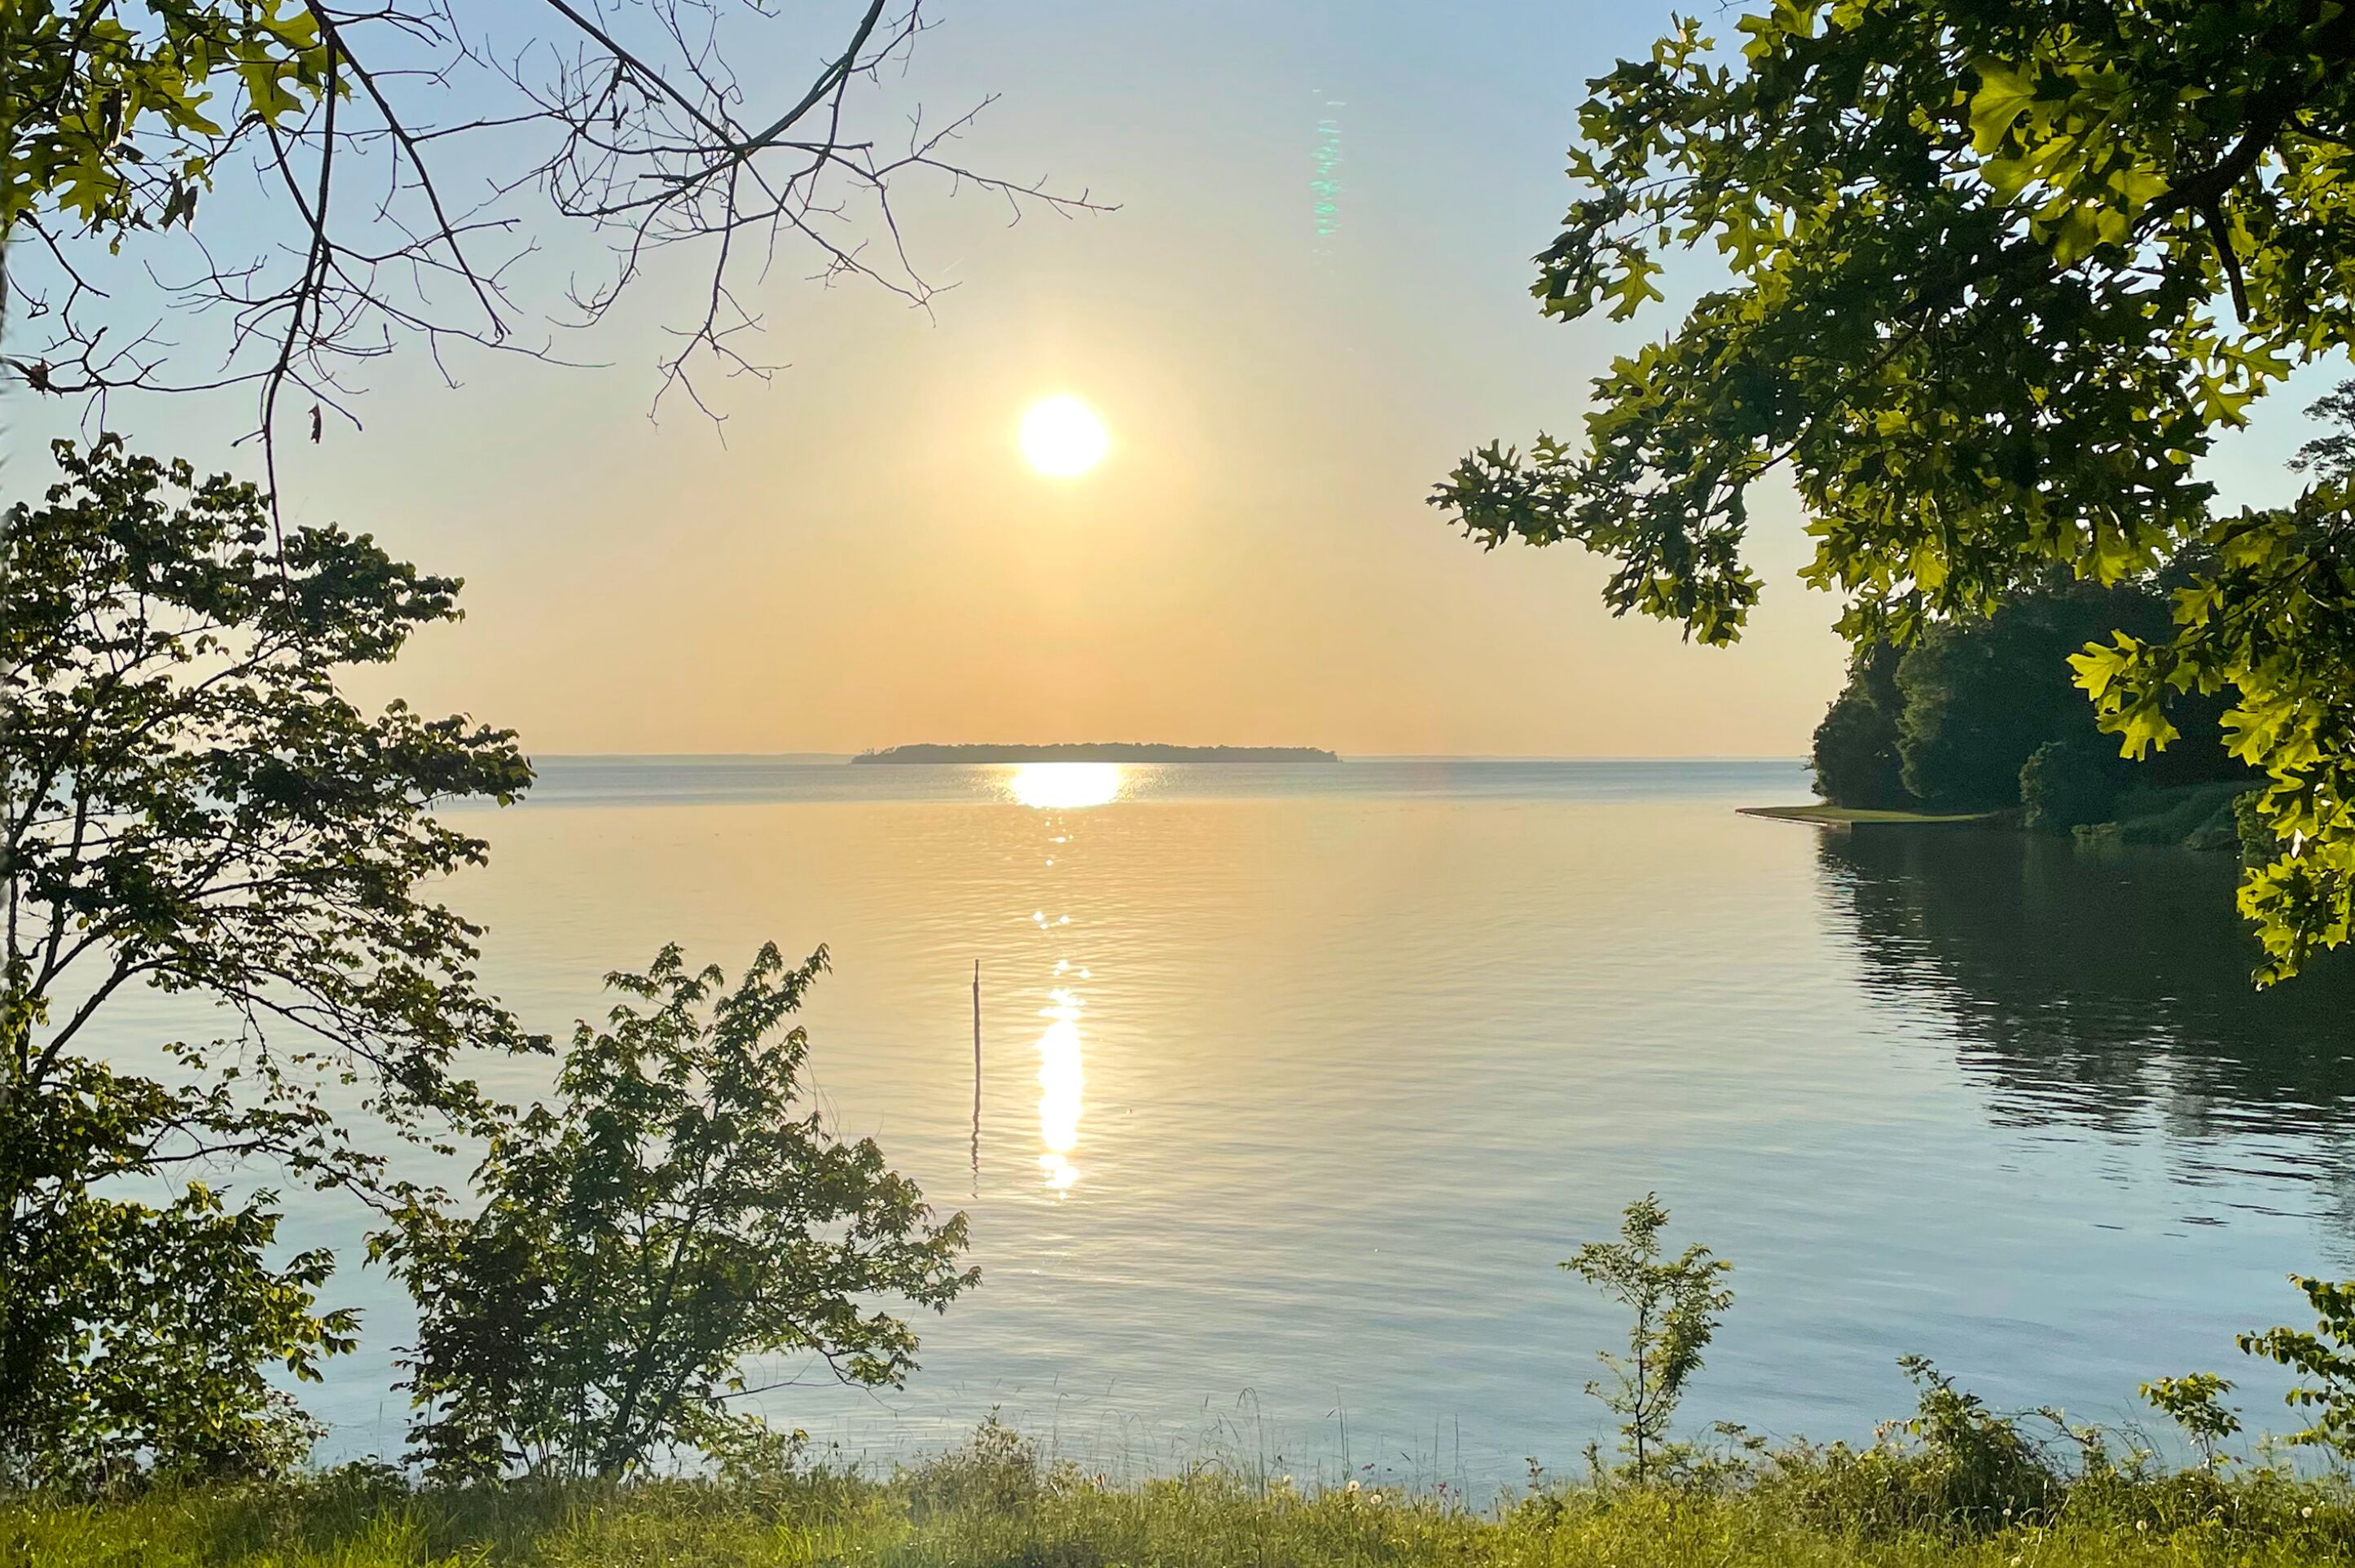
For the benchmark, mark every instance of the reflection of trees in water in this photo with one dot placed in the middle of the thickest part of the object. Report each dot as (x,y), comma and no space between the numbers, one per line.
(2102,988)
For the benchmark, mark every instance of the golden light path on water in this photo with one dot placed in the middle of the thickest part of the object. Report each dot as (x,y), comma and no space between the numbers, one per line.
(1053,788)
(1062,1082)
(1065,786)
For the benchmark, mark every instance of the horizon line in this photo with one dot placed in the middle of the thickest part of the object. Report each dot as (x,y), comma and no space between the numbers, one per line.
(1345,756)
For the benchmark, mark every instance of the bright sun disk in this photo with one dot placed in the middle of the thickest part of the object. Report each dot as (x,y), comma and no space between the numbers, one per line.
(1062,437)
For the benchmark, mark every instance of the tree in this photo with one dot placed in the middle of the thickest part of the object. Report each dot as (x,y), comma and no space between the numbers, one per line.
(134,1335)
(1983,694)
(405,157)
(2195,1403)
(1855,753)
(2065,785)
(189,804)
(679,1212)
(1999,274)
(1956,719)
(1677,1304)
(2330,456)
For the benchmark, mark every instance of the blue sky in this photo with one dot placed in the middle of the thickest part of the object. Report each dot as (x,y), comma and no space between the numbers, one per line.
(862,560)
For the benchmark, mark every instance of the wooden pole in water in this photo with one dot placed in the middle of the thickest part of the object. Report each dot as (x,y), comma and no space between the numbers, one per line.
(976,1077)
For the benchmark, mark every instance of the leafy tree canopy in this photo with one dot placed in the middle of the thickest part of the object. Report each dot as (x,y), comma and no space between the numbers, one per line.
(2001,274)
(680,1212)
(189,804)
(134,1335)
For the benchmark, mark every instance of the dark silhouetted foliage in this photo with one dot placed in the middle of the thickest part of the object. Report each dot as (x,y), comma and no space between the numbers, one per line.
(1855,757)
(1971,701)
(2069,783)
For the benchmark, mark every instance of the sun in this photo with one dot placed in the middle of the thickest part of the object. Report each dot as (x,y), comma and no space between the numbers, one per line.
(1062,438)
(1065,786)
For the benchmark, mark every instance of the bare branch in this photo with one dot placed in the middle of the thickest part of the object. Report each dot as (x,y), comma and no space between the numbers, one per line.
(623,121)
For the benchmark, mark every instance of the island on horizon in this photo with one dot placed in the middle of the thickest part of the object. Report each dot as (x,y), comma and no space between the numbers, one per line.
(1097,752)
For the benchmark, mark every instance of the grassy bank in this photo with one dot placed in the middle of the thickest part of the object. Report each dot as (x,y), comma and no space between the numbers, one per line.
(1824,812)
(984,1509)
(2190,817)
(2194,816)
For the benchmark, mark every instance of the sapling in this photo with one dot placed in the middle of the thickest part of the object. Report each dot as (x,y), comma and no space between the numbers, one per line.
(1677,1303)
(2195,1403)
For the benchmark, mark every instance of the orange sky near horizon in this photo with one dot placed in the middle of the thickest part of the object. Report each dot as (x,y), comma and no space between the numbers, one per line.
(859,556)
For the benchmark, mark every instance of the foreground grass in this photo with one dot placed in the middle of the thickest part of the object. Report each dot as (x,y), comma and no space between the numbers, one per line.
(969,1512)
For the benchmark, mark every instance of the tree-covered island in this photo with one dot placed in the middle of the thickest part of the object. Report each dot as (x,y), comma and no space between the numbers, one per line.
(1097,752)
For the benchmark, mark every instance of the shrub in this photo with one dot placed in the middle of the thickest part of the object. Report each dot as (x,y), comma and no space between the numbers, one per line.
(1953,1467)
(2327,1355)
(2066,784)
(2195,1403)
(679,1210)
(998,1470)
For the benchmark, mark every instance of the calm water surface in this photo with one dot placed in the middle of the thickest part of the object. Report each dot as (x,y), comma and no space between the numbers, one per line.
(1298,1082)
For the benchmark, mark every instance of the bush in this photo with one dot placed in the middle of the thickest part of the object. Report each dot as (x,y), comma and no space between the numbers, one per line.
(137,1338)
(2066,784)
(1954,1467)
(679,1210)
(998,1470)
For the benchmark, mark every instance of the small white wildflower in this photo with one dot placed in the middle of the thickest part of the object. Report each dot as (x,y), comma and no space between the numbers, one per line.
(1353,1486)
(1374,1498)
(2305,1512)
(2142,1524)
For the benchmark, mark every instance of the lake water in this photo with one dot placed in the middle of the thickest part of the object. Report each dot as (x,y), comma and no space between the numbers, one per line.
(1298,1082)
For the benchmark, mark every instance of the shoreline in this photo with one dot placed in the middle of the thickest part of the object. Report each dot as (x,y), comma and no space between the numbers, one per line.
(1823,813)
(2200,817)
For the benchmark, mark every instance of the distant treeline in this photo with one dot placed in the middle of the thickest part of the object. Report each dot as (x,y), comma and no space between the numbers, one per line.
(1098,752)
(1984,715)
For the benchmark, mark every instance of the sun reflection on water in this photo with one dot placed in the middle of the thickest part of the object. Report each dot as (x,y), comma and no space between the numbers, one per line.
(1060,1084)
(1053,787)
(1067,787)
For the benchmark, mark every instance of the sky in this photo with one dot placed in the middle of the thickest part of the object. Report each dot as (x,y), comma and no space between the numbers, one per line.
(858,556)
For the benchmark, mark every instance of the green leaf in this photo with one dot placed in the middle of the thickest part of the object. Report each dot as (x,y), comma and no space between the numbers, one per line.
(2003,95)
